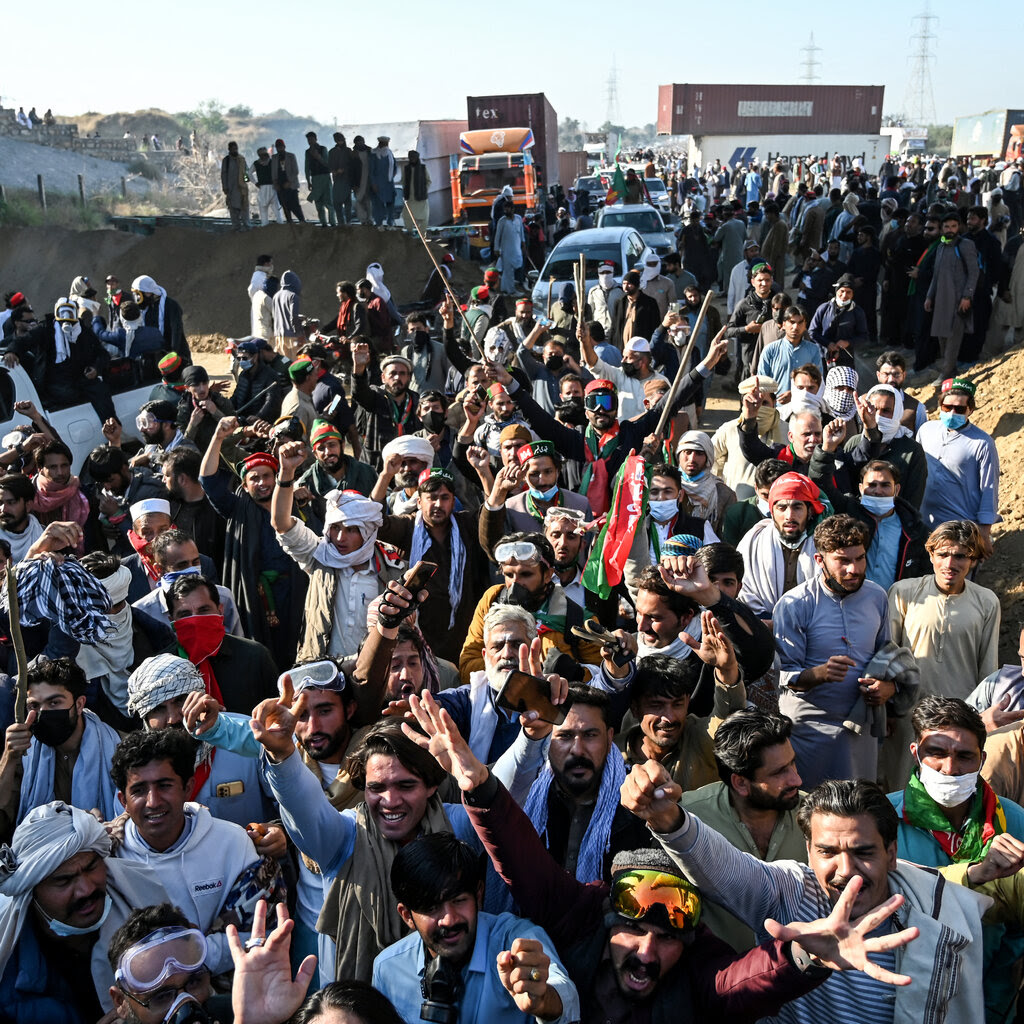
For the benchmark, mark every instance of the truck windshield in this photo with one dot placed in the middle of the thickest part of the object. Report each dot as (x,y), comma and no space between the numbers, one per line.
(492,179)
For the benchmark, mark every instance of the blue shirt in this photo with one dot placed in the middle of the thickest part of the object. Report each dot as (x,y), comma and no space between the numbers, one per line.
(884,551)
(398,971)
(780,359)
(963,475)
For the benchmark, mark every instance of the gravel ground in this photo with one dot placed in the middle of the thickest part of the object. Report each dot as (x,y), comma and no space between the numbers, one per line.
(20,162)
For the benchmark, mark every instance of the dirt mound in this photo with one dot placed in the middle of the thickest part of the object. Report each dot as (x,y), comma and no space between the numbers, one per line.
(140,123)
(208,274)
(1000,413)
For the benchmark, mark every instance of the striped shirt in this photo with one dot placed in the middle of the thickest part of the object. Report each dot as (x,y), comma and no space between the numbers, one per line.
(786,891)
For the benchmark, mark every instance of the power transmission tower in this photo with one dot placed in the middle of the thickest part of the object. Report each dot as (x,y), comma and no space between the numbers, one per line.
(810,61)
(612,112)
(920,97)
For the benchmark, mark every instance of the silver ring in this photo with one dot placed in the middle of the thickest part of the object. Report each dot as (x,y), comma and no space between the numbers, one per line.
(254,943)
(534,974)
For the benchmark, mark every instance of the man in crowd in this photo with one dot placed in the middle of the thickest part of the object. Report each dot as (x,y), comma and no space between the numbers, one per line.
(634,316)
(62,751)
(389,408)
(963,465)
(804,434)
(827,630)
(779,551)
(754,803)
(792,350)
(332,469)
(478,965)
(62,898)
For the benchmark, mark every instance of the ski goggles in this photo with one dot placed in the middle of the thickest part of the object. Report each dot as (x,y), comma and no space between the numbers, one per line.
(656,897)
(518,551)
(167,951)
(318,675)
(604,401)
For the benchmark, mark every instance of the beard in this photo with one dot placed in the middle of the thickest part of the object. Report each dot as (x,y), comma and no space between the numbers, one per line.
(496,673)
(577,787)
(781,802)
(410,479)
(332,745)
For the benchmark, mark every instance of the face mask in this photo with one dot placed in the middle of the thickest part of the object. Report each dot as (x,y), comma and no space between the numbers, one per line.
(762,506)
(547,495)
(200,635)
(663,511)
(947,790)
(844,305)
(554,362)
(186,1010)
(421,340)
(66,930)
(55,727)
(779,315)
(693,479)
(953,420)
(571,410)
(887,427)
(169,577)
(630,370)
(246,364)
(518,594)
(877,505)
(433,421)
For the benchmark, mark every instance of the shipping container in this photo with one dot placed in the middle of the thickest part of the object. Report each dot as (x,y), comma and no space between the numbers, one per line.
(736,150)
(519,110)
(769,109)
(996,133)
(572,165)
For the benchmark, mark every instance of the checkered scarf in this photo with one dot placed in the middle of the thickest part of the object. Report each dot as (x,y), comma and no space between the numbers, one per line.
(64,593)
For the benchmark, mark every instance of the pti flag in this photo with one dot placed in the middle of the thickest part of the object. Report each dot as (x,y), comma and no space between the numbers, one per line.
(618,189)
(608,556)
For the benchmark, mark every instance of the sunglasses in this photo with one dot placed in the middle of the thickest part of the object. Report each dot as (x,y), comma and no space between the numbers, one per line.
(645,894)
(602,401)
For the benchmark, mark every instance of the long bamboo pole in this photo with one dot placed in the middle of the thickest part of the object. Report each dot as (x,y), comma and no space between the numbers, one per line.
(684,365)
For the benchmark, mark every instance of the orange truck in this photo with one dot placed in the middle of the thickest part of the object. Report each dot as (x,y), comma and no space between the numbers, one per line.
(490,159)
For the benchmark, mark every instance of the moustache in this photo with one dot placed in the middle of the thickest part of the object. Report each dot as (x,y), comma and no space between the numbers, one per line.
(636,966)
(450,933)
(75,907)
(579,762)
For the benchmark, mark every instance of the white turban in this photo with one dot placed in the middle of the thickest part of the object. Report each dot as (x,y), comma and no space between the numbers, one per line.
(48,836)
(161,678)
(890,426)
(409,447)
(351,509)
(145,284)
(375,275)
(693,440)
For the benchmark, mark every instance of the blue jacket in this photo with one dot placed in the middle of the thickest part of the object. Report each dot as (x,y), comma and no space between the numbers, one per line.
(32,993)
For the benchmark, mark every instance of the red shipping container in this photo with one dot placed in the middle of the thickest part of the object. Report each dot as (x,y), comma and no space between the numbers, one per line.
(685,109)
(522,110)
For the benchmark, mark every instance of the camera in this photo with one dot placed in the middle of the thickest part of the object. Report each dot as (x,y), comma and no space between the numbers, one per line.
(441,988)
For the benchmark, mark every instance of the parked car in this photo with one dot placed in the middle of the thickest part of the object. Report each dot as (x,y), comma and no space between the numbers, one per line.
(622,246)
(594,187)
(659,193)
(641,217)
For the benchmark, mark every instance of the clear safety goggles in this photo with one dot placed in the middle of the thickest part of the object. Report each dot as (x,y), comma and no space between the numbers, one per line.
(167,951)
(318,675)
(518,551)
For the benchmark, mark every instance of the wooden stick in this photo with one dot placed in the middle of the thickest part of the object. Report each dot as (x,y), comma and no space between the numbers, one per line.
(551,282)
(440,272)
(684,366)
(14,615)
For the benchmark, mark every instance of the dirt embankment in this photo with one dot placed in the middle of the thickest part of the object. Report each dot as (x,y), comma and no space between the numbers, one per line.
(208,274)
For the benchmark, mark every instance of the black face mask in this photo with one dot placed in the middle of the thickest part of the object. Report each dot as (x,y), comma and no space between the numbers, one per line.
(554,362)
(55,727)
(433,421)
(631,369)
(421,340)
(571,411)
(518,594)
(189,1012)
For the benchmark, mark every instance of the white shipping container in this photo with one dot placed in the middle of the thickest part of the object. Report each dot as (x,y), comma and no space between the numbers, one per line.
(741,149)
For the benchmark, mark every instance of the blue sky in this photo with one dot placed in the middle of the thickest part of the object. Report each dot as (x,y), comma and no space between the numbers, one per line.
(174,56)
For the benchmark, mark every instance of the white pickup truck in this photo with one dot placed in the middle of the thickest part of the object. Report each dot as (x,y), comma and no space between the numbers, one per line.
(78,425)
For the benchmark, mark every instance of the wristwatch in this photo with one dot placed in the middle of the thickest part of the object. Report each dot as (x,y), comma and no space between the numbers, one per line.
(286,483)
(806,964)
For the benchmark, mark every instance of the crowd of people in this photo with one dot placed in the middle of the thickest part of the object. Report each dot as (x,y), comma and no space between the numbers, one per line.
(440,656)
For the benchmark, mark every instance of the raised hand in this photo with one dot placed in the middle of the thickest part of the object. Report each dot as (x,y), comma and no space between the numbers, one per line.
(751,403)
(523,971)
(226,427)
(715,648)
(263,990)
(291,456)
(273,722)
(531,661)
(842,944)
(650,793)
(200,712)
(997,716)
(833,435)
(1005,857)
(442,738)
(686,575)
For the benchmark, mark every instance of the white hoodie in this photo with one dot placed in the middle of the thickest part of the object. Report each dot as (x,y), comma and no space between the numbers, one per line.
(198,871)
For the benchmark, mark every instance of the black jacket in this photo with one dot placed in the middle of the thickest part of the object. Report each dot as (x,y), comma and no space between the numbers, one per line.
(645,323)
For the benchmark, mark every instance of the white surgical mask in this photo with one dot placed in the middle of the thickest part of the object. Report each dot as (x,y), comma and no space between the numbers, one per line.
(762,506)
(66,930)
(947,790)
(663,511)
